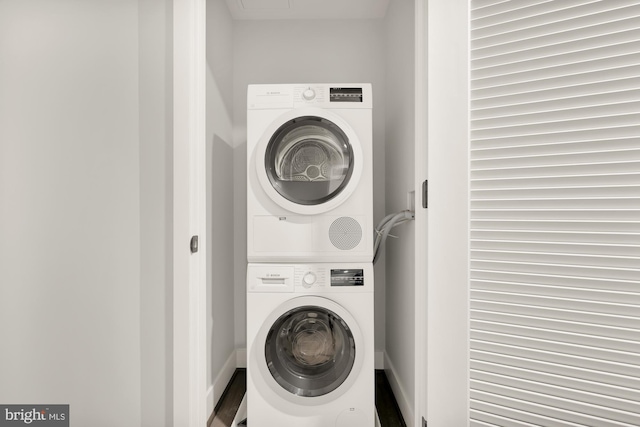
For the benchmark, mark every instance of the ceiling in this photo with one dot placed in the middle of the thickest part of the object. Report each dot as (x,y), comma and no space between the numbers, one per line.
(307,9)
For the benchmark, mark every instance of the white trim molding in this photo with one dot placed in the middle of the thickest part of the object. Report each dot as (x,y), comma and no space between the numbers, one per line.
(379,359)
(421,215)
(448,236)
(215,391)
(241,358)
(398,391)
(189,219)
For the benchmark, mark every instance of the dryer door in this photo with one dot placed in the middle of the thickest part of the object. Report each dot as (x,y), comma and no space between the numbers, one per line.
(311,350)
(311,162)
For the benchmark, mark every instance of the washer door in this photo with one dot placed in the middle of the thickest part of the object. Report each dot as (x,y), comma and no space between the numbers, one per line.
(311,161)
(310,350)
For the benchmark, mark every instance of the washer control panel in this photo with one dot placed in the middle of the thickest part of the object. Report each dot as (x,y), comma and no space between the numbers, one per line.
(331,278)
(347,277)
(313,278)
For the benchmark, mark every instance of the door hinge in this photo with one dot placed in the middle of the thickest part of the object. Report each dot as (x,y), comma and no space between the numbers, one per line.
(424,422)
(194,244)
(425,194)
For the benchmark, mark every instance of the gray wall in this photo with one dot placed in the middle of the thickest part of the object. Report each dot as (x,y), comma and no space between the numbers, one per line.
(220,215)
(400,159)
(80,143)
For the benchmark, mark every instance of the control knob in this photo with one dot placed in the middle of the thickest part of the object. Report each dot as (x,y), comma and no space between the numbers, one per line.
(308,279)
(309,94)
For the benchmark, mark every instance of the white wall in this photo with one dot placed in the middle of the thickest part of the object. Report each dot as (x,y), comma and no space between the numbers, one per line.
(304,51)
(76,153)
(400,159)
(220,215)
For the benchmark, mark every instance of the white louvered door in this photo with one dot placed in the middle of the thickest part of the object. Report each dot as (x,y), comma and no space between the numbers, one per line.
(555,213)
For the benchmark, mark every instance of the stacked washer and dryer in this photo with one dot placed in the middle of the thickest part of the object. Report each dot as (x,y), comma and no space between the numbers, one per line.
(310,349)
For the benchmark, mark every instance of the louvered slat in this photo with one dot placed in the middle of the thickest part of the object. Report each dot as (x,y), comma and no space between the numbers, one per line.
(555,213)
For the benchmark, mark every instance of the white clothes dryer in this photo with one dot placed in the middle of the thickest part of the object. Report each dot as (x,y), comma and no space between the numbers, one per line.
(310,350)
(309,168)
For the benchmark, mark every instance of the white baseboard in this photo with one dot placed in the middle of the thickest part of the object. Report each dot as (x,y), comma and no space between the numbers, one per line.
(242,411)
(406,407)
(215,390)
(241,358)
(379,360)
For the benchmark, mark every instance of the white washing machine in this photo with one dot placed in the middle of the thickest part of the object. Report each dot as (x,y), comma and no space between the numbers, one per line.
(310,350)
(309,168)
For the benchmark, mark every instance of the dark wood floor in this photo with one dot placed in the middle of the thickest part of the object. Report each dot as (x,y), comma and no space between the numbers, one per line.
(386,404)
(225,411)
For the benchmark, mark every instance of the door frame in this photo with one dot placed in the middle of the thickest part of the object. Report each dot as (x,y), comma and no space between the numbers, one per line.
(447,323)
(421,214)
(436,288)
(189,214)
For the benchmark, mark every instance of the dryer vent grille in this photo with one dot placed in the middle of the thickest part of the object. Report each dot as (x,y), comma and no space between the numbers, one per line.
(345,233)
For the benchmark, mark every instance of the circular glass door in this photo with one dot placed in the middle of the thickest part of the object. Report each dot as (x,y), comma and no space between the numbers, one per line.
(309,160)
(310,351)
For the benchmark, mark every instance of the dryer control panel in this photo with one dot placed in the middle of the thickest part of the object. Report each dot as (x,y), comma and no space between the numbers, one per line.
(321,95)
(345,94)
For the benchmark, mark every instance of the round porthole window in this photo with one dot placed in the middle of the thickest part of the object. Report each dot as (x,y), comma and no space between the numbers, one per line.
(310,351)
(309,160)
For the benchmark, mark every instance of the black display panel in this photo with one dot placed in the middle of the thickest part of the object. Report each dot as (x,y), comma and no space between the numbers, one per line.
(345,94)
(347,277)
